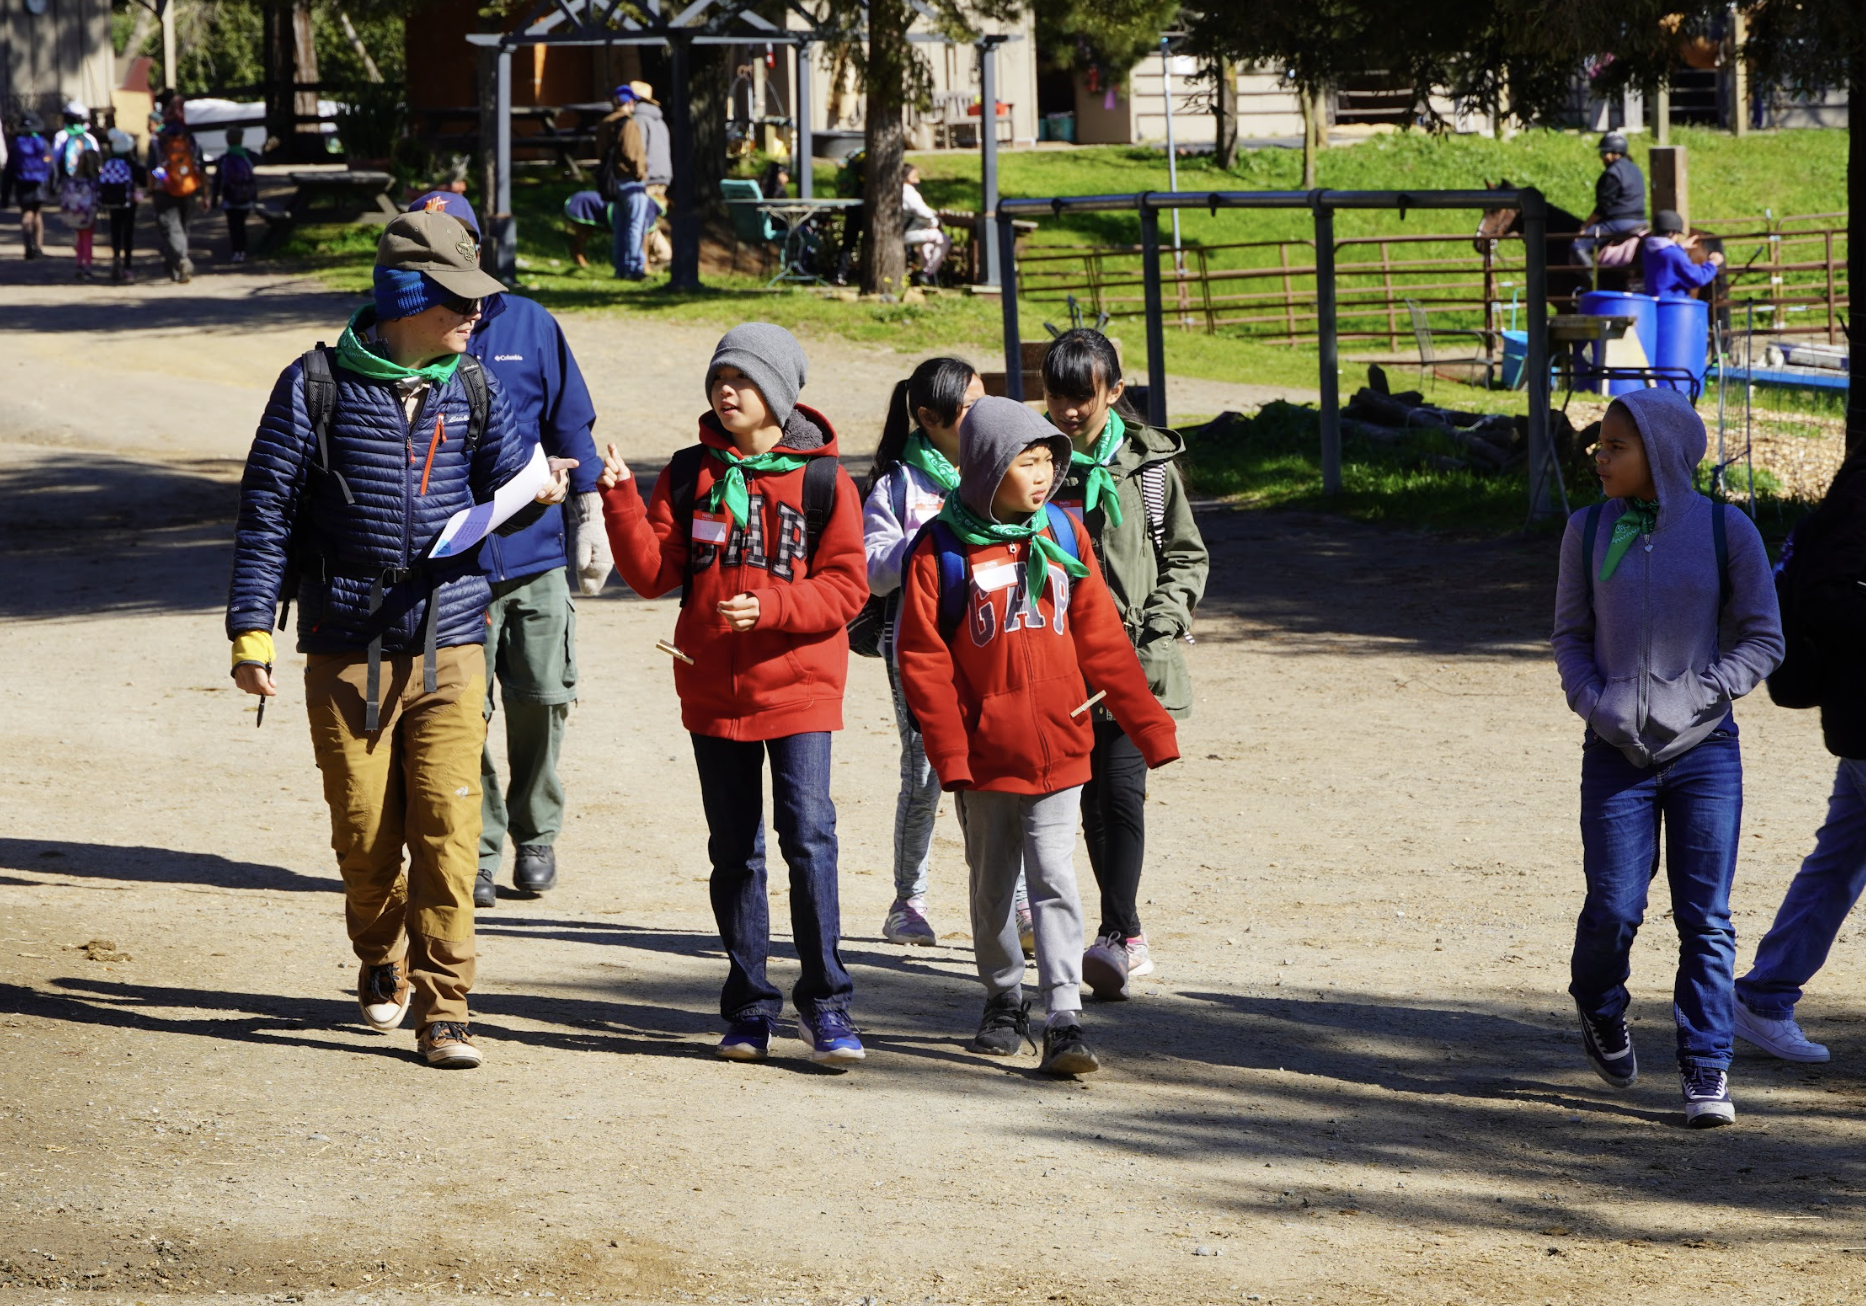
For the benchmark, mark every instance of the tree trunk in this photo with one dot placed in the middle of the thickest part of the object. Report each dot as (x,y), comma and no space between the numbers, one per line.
(280,66)
(885,268)
(310,142)
(1225,110)
(709,88)
(1310,107)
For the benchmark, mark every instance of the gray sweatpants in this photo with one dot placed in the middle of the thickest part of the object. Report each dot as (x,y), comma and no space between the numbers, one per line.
(1034,833)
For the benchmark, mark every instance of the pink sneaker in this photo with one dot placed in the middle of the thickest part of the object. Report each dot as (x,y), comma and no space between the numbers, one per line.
(1104,967)
(1139,958)
(907,923)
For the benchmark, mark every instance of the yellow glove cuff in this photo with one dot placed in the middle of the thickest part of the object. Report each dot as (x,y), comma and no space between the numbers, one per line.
(253,646)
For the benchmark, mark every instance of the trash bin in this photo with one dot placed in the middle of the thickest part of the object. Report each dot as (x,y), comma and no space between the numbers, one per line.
(1684,338)
(1644,310)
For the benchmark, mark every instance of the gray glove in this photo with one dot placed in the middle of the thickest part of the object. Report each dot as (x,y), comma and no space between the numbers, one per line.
(588,543)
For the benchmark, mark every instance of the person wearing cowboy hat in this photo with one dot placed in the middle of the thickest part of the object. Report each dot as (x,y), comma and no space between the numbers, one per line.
(660,175)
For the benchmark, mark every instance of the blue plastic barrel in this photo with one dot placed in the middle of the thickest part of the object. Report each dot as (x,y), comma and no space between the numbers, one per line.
(1684,338)
(1644,310)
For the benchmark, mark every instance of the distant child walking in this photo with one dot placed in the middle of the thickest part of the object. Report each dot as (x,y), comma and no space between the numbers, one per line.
(29,179)
(916,467)
(236,190)
(76,157)
(1122,485)
(118,183)
(760,529)
(1006,631)
(1665,615)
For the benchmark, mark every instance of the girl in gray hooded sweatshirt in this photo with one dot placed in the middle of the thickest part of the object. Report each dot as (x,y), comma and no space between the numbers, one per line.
(1665,615)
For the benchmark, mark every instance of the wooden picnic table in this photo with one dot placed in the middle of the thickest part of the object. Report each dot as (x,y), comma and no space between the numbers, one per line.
(363,193)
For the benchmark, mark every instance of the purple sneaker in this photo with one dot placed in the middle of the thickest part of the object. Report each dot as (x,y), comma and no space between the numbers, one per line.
(907,923)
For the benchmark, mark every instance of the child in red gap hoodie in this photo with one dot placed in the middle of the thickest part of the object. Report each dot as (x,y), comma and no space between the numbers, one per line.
(1006,630)
(762,619)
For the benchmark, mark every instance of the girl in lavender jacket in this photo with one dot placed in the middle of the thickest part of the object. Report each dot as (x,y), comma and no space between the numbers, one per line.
(916,466)
(1664,616)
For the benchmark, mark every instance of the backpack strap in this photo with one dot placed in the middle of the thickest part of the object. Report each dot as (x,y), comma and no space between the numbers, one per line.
(683,473)
(819,500)
(1721,543)
(952,595)
(1062,526)
(320,399)
(479,400)
(1589,526)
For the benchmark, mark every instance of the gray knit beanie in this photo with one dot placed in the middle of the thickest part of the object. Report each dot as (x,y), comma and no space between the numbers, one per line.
(991,437)
(770,356)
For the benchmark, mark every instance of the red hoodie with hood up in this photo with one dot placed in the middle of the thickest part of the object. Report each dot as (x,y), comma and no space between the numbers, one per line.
(784,676)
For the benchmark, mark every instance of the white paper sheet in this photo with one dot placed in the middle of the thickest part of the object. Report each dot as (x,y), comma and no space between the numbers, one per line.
(466,528)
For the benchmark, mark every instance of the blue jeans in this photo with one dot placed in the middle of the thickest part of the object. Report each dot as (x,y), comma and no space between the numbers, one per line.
(634,210)
(1823,892)
(732,792)
(1698,799)
(916,809)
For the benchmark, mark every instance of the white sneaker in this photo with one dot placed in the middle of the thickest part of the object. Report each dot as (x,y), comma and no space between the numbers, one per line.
(1707,1098)
(1104,967)
(1139,957)
(1779,1038)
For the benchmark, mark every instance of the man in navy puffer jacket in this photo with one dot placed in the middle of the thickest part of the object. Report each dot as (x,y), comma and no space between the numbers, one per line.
(394,677)
(531,625)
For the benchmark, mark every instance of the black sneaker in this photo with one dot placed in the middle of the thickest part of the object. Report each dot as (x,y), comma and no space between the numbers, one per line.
(1066,1052)
(485,892)
(537,868)
(1707,1098)
(1609,1047)
(1005,1027)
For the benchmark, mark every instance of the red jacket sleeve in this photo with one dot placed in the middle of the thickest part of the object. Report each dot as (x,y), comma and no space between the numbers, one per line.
(837,585)
(1108,663)
(650,548)
(928,675)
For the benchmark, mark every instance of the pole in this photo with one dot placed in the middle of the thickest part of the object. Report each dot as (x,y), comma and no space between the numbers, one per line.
(1013,342)
(1172,155)
(1156,325)
(684,274)
(1536,356)
(1325,337)
(803,145)
(168,47)
(988,149)
(504,227)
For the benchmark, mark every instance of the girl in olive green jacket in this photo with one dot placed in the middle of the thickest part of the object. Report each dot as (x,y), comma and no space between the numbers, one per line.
(1122,484)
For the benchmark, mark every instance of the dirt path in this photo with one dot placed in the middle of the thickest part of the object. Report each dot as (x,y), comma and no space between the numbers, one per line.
(1352,1080)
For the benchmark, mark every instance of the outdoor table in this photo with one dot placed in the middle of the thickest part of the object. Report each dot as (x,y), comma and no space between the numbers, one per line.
(344,190)
(797,213)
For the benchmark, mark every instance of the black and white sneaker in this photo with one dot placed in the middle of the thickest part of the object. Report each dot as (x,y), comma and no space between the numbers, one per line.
(1707,1098)
(1005,1027)
(1609,1047)
(1066,1052)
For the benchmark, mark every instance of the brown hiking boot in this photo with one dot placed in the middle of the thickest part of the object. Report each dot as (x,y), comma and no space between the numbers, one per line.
(448,1046)
(382,994)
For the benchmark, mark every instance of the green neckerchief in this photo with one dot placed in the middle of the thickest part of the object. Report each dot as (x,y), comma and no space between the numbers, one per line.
(1098,486)
(731,490)
(1638,519)
(973,529)
(920,452)
(360,356)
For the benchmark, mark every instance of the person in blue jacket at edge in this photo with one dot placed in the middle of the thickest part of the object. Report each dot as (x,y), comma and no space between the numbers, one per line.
(1670,273)
(532,620)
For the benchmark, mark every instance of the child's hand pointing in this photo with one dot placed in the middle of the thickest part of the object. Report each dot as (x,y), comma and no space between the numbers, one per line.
(615,471)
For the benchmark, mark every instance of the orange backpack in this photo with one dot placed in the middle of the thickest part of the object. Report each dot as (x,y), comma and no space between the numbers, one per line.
(182,180)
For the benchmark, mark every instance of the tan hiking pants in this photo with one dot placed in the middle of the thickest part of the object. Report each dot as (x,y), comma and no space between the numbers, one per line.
(413,784)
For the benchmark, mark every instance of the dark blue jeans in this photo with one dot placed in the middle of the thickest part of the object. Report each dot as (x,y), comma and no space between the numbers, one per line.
(732,792)
(1823,892)
(1697,800)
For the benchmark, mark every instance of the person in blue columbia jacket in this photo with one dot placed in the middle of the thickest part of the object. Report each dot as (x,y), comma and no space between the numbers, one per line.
(1670,273)
(532,622)
(343,516)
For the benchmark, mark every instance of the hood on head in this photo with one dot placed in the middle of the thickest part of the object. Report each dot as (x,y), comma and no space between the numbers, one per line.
(1673,434)
(993,433)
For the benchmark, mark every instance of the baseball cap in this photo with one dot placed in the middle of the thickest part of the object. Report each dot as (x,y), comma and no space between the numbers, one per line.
(452,204)
(433,244)
(625,94)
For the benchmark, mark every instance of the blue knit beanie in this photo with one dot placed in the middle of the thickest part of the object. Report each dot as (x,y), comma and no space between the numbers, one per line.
(403,293)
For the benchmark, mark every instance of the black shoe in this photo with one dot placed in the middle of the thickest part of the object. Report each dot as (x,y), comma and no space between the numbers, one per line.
(1608,1044)
(1066,1052)
(1005,1027)
(484,892)
(537,868)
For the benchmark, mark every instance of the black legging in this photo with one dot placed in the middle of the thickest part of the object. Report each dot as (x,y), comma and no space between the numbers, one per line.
(1114,823)
(123,231)
(236,230)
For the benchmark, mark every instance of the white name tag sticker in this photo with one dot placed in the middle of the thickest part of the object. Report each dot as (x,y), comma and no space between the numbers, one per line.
(711,528)
(994,576)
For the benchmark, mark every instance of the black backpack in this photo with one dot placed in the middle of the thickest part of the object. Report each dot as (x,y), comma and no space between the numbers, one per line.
(819,501)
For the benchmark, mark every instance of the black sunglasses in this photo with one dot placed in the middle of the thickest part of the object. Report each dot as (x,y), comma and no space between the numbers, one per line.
(462,305)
